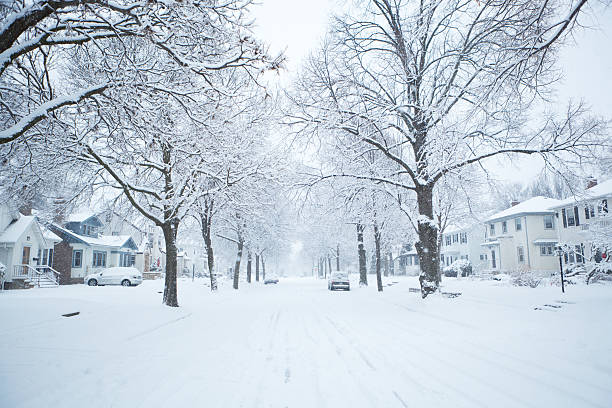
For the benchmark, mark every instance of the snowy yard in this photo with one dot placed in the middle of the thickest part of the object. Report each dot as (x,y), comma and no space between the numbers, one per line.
(298,345)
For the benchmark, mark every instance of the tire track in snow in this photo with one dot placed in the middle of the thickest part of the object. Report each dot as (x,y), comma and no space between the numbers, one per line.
(521,374)
(526,363)
(420,369)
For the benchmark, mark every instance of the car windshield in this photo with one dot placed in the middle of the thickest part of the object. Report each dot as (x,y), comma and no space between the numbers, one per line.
(340,276)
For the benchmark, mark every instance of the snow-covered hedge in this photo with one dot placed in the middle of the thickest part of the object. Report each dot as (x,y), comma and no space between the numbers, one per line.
(461,267)
(2,270)
(525,277)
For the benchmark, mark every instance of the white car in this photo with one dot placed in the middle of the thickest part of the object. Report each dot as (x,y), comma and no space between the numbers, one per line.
(339,280)
(124,276)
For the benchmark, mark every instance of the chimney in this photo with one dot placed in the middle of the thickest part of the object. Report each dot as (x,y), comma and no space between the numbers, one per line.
(514,202)
(591,182)
(26,208)
(59,204)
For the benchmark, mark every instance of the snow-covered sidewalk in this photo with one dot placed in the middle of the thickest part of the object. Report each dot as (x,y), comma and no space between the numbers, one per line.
(296,344)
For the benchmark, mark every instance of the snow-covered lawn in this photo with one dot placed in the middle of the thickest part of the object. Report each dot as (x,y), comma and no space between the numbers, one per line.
(298,345)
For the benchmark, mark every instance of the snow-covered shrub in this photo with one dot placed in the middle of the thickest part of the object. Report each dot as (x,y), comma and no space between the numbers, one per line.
(525,277)
(2,273)
(599,271)
(461,267)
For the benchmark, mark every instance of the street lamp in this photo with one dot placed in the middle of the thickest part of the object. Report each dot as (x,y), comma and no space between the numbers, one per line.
(559,251)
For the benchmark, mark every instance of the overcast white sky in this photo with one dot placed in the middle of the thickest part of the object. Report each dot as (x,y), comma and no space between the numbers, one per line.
(297,27)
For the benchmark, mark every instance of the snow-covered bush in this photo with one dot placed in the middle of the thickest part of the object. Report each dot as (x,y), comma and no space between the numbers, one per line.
(2,273)
(599,271)
(461,267)
(525,277)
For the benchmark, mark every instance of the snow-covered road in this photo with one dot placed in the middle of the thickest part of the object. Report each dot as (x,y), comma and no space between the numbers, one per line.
(298,345)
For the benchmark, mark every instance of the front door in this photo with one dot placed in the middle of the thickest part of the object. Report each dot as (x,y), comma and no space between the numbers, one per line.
(25,259)
(493,263)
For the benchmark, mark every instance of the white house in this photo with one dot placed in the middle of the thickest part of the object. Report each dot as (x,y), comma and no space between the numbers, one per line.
(523,237)
(464,242)
(26,250)
(91,251)
(585,221)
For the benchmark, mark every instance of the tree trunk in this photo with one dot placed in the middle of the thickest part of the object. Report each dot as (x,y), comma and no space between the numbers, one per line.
(206,220)
(363,277)
(338,257)
(386,265)
(391,264)
(427,246)
(170,296)
(329,263)
(256,267)
(238,259)
(249,264)
(263,268)
(378,260)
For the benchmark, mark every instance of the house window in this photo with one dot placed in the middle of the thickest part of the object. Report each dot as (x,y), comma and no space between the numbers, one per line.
(463,237)
(126,259)
(548,222)
(455,238)
(517,224)
(448,240)
(77,258)
(492,229)
(602,208)
(546,250)
(504,227)
(571,220)
(90,230)
(521,254)
(50,258)
(99,258)
(579,254)
(589,211)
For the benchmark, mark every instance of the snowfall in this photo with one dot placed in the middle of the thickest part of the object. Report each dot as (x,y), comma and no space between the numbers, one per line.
(296,344)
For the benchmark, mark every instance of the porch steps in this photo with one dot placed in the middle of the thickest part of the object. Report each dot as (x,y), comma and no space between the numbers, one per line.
(42,282)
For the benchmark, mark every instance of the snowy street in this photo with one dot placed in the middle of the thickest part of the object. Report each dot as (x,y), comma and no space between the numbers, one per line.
(298,345)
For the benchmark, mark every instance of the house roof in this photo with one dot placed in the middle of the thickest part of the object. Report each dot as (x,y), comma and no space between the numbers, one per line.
(50,236)
(15,230)
(18,227)
(117,241)
(535,205)
(601,190)
(82,217)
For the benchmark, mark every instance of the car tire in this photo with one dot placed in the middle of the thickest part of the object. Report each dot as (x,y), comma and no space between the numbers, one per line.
(92,282)
(125,282)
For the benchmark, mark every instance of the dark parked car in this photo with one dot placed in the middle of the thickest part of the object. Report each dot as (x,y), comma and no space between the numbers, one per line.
(339,280)
(271,280)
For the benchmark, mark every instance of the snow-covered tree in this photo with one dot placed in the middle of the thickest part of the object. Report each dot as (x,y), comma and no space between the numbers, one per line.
(438,86)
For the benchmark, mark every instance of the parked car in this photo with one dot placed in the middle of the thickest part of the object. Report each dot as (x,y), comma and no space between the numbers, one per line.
(124,276)
(271,280)
(338,280)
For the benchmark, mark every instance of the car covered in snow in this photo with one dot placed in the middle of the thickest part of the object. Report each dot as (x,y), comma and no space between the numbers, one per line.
(118,275)
(271,280)
(338,280)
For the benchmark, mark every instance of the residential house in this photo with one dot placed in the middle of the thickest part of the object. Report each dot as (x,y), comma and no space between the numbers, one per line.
(523,236)
(464,242)
(85,251)
(26,250)
(585,221)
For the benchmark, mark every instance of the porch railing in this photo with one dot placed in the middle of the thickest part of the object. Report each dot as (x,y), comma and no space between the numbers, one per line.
(36,274)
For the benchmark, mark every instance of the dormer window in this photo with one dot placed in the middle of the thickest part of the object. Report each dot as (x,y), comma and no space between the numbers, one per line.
(492,229)
(90,231)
